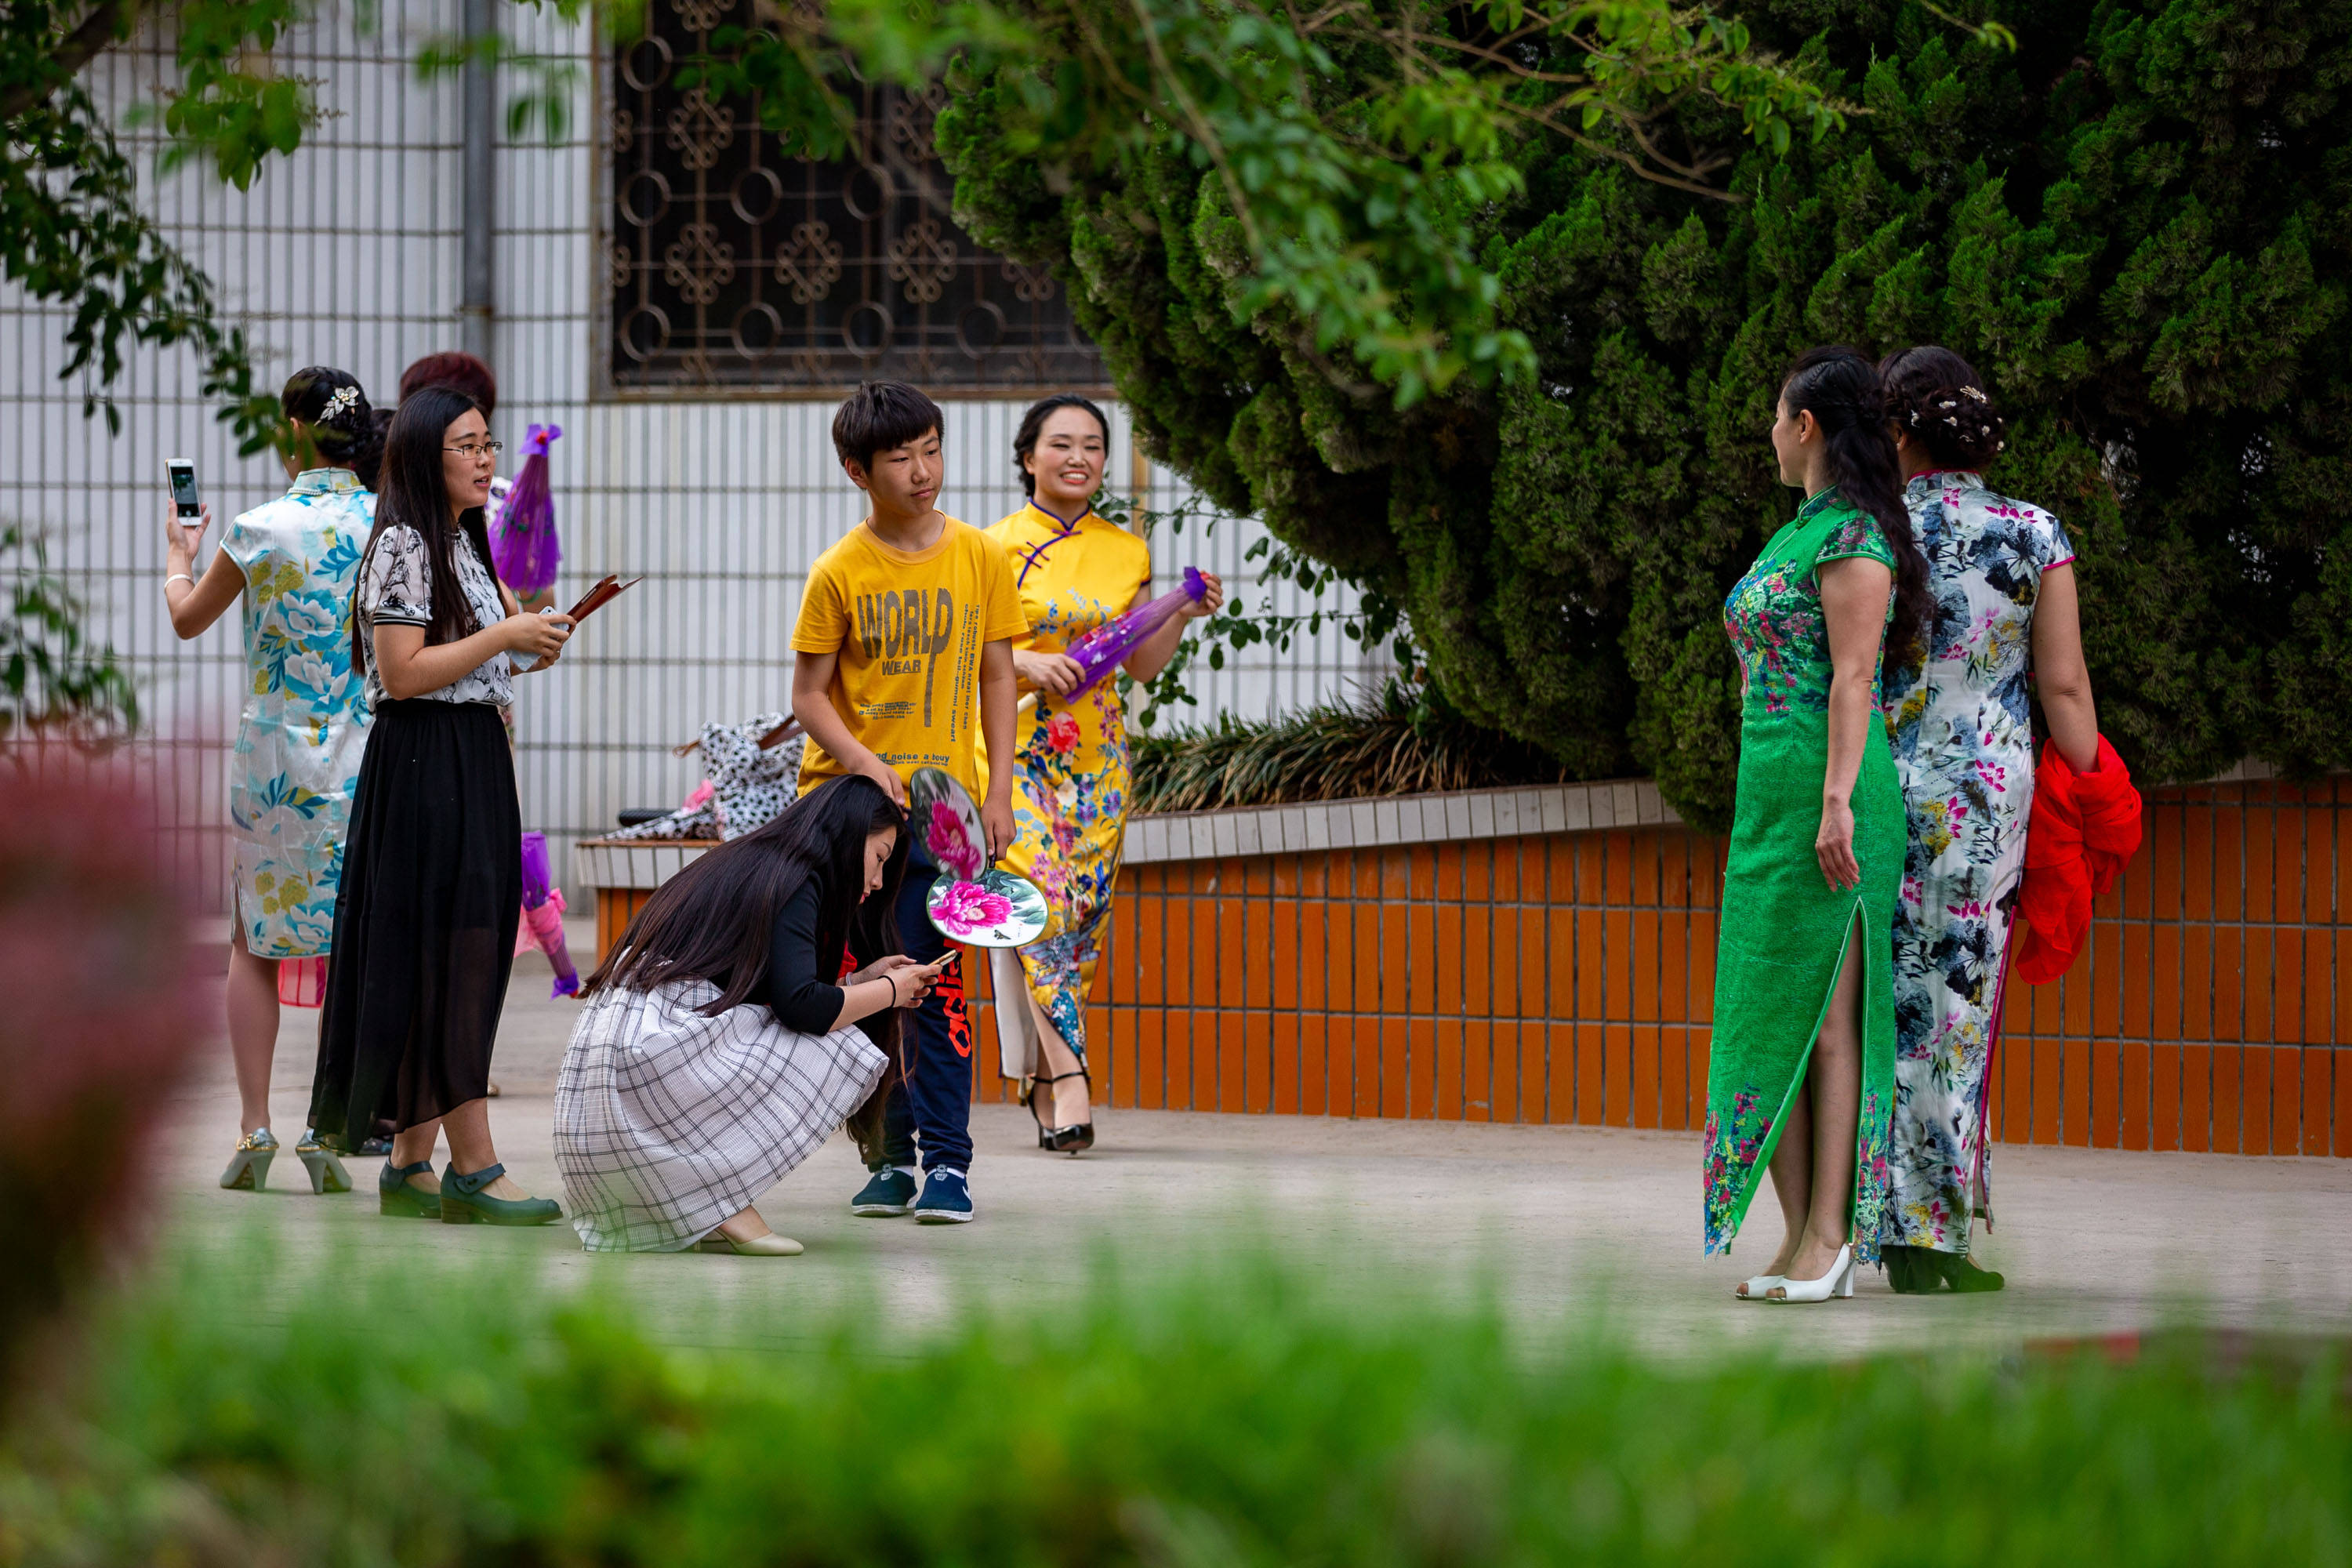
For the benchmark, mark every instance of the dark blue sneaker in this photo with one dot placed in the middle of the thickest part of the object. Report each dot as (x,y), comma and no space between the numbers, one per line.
(947,1198)
(891,1191)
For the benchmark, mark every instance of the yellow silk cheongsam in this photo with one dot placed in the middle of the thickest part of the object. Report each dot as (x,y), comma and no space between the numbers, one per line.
(1069,799)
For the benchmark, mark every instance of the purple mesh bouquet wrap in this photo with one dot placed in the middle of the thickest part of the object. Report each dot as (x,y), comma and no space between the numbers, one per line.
(1103,649)
(542,914)
(523,544)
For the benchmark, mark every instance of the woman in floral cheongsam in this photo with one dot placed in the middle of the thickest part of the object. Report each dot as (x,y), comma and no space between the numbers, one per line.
(293,562)
(2004,627)
(1075,571)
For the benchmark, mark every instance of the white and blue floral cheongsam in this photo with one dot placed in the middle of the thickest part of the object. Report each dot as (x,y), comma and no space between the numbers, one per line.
(1963,751)
(305,723)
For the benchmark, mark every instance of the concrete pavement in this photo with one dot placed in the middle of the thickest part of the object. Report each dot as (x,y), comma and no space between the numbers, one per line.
(1569,1228)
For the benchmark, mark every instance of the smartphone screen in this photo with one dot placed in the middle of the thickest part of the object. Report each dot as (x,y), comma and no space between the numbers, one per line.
(183,472)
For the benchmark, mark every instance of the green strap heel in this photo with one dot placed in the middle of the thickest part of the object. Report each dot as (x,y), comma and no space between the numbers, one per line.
(396,1199)
(463,1201)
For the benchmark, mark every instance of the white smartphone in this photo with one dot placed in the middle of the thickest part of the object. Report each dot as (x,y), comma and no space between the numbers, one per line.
(181,472)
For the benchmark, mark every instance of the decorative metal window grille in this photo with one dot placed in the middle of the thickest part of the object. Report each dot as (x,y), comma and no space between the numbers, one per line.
(730,266)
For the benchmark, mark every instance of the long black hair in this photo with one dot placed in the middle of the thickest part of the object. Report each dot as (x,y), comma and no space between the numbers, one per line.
(1033,424)
(415,493)
(340,429)
(1937,398)
(713,919)
(1841,391)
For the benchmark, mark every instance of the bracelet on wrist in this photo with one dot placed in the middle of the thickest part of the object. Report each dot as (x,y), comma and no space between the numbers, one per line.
(894,988)
(178,577)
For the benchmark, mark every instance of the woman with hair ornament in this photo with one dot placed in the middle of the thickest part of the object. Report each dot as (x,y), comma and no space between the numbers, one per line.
(293,562)
(2004,628)
(1801,1077)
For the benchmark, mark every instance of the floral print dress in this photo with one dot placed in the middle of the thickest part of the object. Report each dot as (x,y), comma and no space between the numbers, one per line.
(1964,752)
(1784,931)
(1069,802)
(304,726)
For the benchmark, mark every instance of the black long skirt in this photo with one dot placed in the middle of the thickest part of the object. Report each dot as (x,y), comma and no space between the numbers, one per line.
(425,922)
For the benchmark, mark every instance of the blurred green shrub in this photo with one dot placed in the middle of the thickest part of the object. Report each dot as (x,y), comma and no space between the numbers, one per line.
(98,1009)
(432,1417)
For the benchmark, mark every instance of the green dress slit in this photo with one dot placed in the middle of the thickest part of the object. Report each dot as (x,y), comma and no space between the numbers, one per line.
(1784,930)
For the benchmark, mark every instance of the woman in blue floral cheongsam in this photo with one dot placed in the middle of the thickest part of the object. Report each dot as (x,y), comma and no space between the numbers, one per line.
(293,562)
(2004,630)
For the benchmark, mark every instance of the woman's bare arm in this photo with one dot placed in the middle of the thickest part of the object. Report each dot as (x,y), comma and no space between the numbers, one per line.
(1854,603)
(196,604)
(409,669)
(2061,677)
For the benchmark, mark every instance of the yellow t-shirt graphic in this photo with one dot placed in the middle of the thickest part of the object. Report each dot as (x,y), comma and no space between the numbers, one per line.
(908,627)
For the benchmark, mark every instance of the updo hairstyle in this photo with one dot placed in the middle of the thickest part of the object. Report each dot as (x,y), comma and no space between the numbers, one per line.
(340,431)
(1937,398)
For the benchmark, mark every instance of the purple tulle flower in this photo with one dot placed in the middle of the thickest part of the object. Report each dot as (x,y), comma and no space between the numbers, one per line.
(523,545)
(1103,649)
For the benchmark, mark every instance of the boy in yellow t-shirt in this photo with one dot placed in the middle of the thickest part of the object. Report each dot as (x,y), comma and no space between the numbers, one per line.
(903,660)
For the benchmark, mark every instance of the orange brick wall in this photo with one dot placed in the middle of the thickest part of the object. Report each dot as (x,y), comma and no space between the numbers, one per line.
(1570,978)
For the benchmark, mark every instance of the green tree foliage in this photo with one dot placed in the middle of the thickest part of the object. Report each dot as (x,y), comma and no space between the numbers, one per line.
(1346,156)
(2139,224)
(54,685)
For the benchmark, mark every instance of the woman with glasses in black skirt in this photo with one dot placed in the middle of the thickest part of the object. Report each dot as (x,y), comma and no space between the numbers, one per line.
(432,877)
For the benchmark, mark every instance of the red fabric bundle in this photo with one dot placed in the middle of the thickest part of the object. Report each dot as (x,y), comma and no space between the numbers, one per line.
(2084,826)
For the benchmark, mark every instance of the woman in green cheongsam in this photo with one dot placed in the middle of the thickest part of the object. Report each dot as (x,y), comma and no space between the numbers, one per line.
(1800,1079)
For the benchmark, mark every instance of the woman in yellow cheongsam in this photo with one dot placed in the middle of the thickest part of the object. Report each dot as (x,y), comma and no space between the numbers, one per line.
(1075,571)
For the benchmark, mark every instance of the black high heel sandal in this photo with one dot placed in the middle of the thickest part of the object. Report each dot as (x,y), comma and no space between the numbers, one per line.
(1060,1140)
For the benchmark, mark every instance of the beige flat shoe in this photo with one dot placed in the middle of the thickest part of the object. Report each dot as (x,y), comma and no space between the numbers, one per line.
(768,1245)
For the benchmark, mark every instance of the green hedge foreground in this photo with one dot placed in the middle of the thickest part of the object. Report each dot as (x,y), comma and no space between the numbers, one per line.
(1249,1418)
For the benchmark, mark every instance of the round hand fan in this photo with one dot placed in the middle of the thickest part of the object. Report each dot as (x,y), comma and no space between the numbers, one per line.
(971,902)
(995,909)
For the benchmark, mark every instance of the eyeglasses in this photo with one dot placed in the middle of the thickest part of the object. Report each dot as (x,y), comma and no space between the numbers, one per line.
(475,454)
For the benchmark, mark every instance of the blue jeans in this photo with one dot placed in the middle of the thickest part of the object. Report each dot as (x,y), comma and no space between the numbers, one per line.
(934,1106)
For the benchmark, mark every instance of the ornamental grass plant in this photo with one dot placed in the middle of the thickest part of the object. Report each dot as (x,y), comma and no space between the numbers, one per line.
(1394,743)
(1243,1417)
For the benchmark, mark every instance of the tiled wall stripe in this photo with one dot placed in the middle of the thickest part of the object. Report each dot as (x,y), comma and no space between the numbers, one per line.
(1568,977)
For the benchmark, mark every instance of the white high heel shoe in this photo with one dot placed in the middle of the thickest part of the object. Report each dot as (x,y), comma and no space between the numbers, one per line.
(1753,1289)
(1838,1282)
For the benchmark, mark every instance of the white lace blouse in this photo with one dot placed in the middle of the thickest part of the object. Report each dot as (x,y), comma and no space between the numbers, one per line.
(396,588)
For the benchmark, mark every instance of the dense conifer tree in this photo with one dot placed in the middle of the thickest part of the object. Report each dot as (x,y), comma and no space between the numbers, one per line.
(2139,224)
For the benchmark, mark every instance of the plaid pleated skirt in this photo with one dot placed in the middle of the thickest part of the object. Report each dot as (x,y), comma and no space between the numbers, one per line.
(667,1121)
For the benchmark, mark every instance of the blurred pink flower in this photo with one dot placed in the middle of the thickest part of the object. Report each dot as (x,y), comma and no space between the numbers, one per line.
(946,839)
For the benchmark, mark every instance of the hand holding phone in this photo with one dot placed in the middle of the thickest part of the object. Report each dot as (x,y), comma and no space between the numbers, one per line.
(182,537)
(915,982)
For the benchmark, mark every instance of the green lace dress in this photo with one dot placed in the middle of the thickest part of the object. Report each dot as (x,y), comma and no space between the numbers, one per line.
(1784,930)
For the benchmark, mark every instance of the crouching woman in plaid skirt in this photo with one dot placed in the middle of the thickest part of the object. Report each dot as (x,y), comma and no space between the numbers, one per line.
(717,1051)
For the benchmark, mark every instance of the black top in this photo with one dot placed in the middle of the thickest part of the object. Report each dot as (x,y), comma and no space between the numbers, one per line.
(802,1000)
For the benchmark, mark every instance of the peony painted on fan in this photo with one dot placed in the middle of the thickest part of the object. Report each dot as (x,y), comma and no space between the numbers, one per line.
(941,809)
(1105,648)
(996,910)
(523,545)
(968,906)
